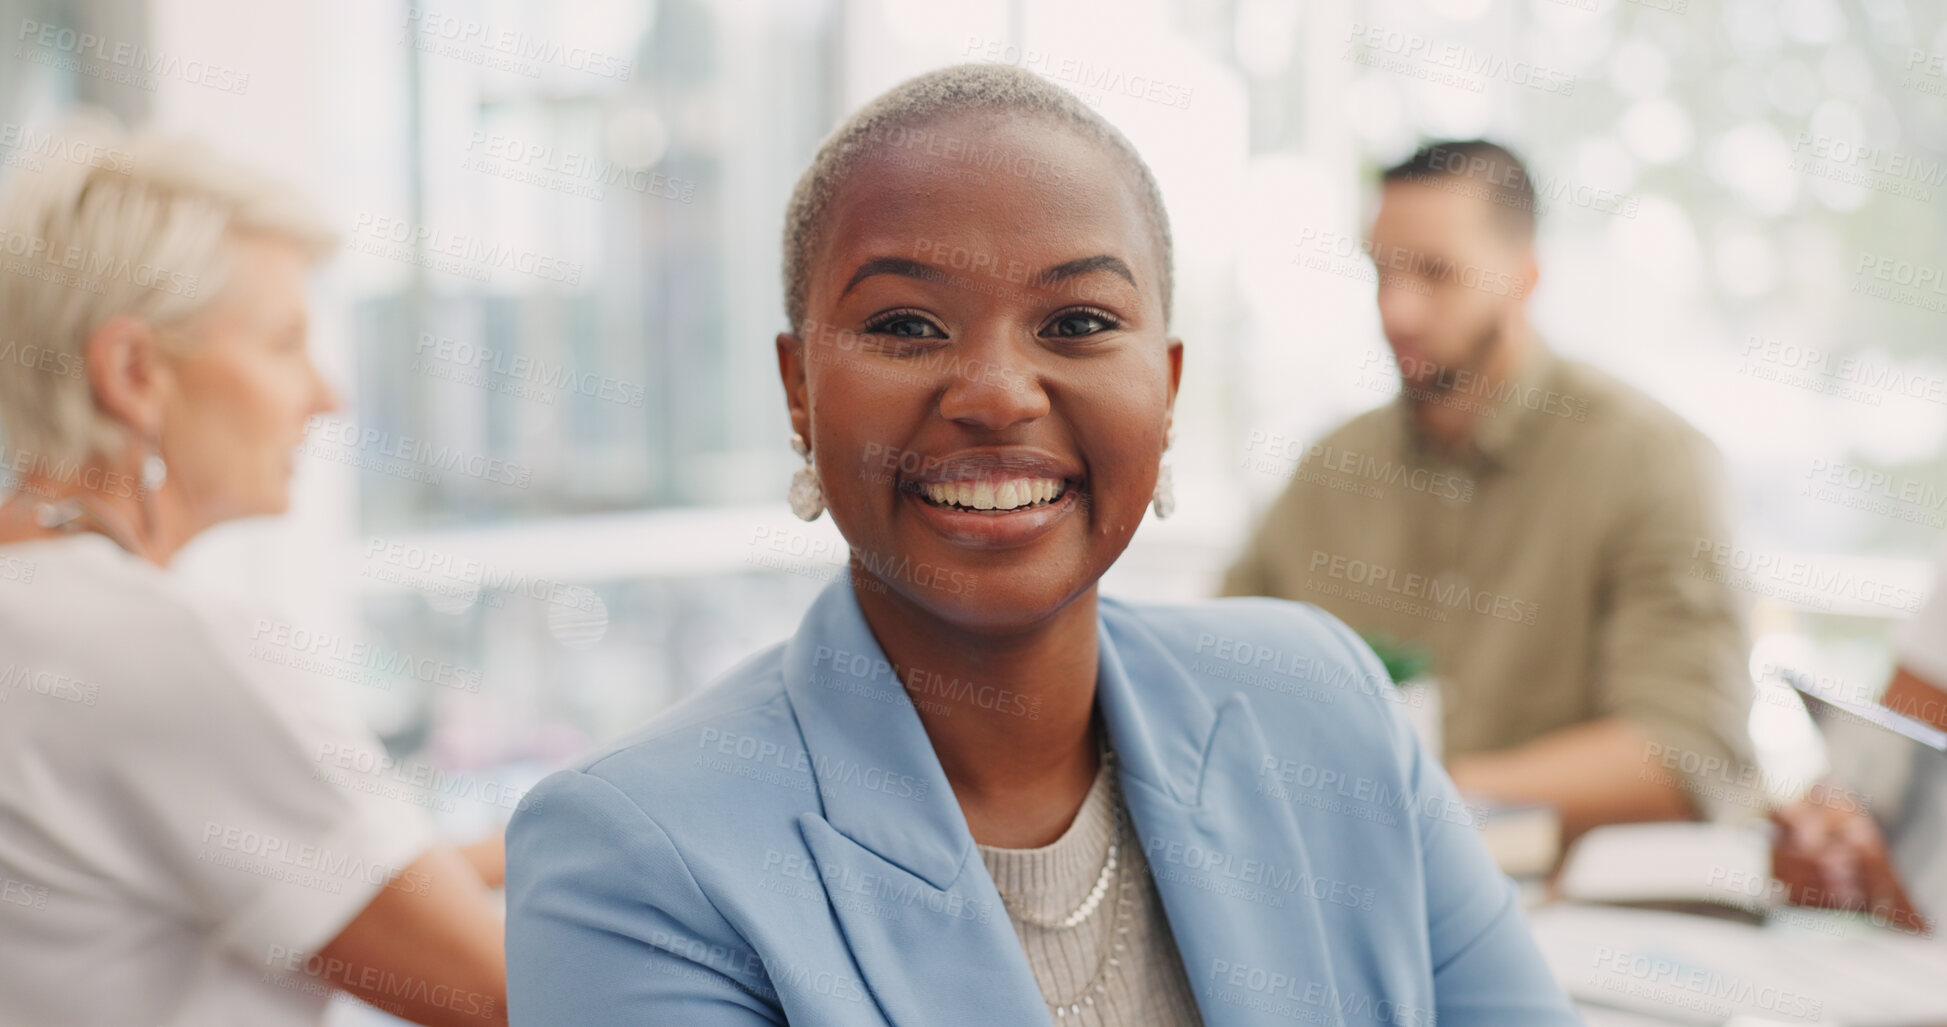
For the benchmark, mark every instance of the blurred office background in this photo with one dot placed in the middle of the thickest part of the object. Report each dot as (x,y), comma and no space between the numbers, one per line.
(562,466)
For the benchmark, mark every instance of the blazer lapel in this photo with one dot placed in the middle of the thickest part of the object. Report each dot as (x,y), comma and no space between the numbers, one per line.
(916,905)
(914,900)
(933,956)
(1229,861)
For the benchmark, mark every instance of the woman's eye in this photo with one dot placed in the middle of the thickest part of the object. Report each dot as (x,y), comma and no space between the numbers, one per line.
(905,326)
(1077,323)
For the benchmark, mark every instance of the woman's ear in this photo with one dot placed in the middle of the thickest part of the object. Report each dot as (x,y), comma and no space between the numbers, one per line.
(127,374)
(791,369)
(1176,368)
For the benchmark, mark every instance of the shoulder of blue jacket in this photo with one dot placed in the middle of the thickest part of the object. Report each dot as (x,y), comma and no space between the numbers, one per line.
(1285,656)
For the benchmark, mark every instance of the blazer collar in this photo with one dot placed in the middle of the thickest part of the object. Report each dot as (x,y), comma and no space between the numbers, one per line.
(881,784)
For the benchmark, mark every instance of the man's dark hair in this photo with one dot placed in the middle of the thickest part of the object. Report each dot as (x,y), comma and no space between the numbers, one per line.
(1478,168)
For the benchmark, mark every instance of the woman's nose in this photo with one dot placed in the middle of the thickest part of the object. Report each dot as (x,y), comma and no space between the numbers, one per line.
(325,398)
(994,386)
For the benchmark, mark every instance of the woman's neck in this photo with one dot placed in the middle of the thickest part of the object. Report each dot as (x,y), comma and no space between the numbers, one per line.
(1011,717)
(121,514)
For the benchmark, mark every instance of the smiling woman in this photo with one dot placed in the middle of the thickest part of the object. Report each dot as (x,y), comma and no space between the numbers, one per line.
(970,791)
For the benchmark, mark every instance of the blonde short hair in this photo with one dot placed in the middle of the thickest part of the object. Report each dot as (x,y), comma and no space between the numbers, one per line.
(110,224)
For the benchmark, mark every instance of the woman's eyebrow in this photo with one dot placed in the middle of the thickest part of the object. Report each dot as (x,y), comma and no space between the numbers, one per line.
(929,272)
(891,266)
(1085,265)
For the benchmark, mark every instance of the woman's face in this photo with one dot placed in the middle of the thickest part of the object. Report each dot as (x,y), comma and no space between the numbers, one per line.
(983,374)
(244,388)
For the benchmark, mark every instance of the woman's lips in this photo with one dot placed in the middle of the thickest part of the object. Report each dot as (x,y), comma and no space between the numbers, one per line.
(993,497)
(994,528)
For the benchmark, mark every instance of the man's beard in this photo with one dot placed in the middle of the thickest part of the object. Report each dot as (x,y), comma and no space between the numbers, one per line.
(1465,374)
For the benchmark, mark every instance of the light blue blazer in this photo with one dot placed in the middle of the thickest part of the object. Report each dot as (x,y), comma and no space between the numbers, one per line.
(784,847)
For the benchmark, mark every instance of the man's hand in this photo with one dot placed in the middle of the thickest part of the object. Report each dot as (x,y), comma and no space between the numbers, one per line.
(1831,855)
(1591,772)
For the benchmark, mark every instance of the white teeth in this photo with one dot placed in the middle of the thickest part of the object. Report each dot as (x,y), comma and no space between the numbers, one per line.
(1011,494)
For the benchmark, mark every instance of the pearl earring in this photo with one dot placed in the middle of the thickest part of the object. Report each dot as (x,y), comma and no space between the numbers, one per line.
(1165,499)
(154,473)
(807,496)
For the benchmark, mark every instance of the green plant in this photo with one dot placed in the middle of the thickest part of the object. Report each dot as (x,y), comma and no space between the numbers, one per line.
(1404,660)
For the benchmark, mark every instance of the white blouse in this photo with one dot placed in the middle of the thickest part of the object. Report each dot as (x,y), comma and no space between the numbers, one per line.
(178,831)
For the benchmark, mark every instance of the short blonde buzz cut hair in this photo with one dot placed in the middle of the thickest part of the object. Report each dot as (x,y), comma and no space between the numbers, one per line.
(142,229)
(963,88)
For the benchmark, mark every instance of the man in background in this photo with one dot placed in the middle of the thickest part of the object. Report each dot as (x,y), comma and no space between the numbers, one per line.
(1529,522)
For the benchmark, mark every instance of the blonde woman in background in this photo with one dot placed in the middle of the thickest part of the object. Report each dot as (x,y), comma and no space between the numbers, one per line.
(169,851)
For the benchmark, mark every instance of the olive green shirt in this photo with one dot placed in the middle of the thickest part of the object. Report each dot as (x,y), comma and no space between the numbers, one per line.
(1548,568)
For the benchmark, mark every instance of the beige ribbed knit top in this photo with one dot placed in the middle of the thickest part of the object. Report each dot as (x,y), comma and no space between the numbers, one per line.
(1146,985)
